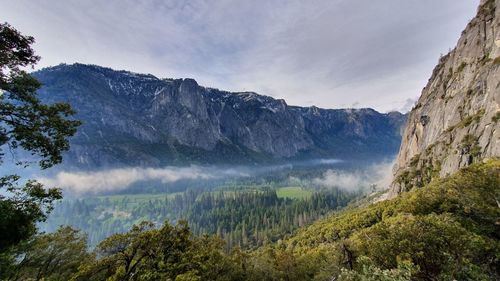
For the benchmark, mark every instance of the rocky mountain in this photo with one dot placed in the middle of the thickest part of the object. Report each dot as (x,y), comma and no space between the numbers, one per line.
(456,120)
(139,119)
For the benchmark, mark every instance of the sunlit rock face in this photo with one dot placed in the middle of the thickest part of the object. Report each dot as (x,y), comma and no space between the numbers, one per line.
(138,119)
(456,120)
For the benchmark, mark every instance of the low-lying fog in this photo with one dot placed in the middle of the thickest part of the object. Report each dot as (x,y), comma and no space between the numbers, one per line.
(320,172)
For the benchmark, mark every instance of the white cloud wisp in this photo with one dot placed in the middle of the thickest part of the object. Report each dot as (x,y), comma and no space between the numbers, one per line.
(122,178)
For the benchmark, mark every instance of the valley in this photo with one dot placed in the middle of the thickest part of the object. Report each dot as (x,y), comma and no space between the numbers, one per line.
(114,175)
(246,218)
(261,207)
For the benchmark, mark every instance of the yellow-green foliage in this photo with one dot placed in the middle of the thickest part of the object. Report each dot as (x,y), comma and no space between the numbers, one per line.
(449,229)
(470,145)
(471,118)
(496,117)
(461,67)
(370,272)
(421,170)
(467,120)
(487,8)
(293,192)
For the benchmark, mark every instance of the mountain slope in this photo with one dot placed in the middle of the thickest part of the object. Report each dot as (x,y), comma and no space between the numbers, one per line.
(455,122)
(138,119)
(449,229)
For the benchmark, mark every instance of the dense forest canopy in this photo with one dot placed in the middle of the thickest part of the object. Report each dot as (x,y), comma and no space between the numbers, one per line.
(447,230)
(244,218)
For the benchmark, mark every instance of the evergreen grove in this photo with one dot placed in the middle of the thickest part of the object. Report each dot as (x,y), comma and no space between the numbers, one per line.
(447,230)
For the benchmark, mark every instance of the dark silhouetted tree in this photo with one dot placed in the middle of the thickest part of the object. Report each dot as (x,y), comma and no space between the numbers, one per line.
(26,124)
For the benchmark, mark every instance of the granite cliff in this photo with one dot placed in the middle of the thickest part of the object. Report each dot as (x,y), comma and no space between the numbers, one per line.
(139,119)
(456,120)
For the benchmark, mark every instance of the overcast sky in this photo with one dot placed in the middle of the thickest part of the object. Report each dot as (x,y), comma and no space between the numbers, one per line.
(332,53)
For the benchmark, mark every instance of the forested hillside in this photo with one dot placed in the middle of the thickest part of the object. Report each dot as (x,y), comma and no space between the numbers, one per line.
(244,218)
(448,230)
(312,220)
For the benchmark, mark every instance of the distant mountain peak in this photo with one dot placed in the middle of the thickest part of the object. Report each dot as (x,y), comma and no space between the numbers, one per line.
(139,119)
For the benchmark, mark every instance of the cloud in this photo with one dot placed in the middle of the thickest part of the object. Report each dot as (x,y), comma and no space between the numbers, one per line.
(328,53)
(379,175)
(328,161)
(409,104)
(120,179)
(347,181)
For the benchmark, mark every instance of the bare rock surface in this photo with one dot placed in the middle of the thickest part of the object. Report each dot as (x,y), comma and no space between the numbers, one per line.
(456,120)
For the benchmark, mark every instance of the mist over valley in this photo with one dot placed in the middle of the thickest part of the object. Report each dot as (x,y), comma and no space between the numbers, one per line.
(249,141)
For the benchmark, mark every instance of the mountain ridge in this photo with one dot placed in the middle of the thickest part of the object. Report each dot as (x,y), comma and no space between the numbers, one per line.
(139,119)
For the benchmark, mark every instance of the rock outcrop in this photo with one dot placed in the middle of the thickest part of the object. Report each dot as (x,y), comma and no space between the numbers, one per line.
(137,119)
(456,120)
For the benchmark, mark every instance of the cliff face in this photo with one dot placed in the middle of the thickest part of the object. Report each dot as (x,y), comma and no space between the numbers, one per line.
(137,119)
(456,120)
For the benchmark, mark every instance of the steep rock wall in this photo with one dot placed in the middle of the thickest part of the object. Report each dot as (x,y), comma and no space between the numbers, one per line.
(456,120)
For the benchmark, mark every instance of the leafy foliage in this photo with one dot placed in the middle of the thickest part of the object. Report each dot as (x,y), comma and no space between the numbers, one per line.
(26,123)
(54,256)
(168,253)
(447,230)
(22,208)
(370,272)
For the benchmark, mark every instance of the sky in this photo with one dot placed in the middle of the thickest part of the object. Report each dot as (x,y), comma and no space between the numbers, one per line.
(331,53)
